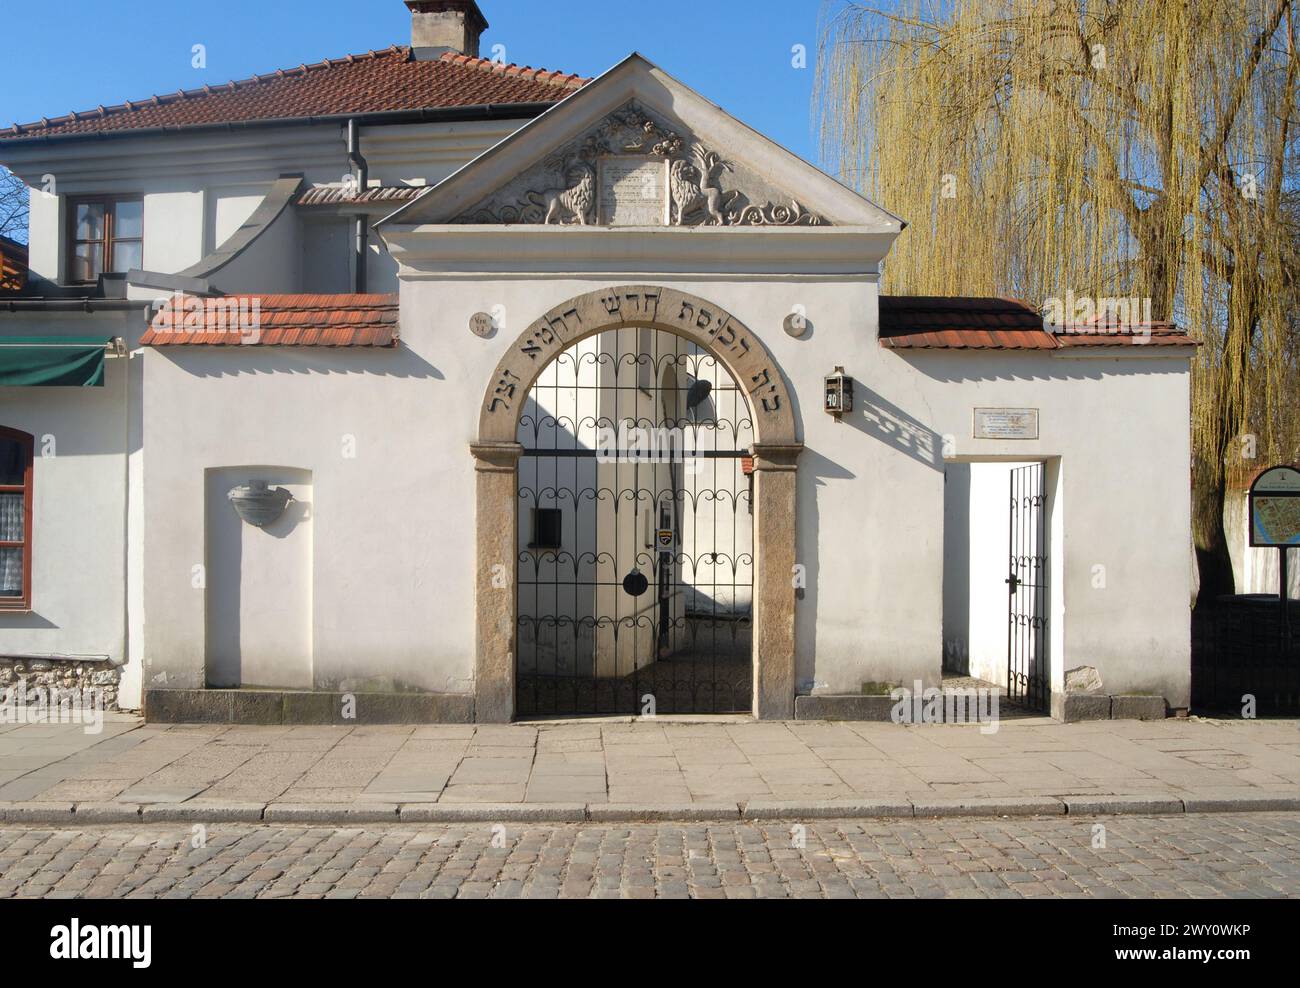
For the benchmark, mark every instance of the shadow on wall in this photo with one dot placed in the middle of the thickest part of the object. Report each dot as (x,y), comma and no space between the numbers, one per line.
(956,568)
(815,470)
(258,584)
(889,424)
(971,367)
(885,422)
(556,580)
(235,360)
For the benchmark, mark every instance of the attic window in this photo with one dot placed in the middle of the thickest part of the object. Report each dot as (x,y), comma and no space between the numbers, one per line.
(106,235)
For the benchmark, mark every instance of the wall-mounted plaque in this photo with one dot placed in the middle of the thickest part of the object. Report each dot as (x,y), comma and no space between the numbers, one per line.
(1275,508)
(1006,423)
(481,324)
(633,190)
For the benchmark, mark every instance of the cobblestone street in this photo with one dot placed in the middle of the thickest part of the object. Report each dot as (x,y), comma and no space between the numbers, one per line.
(1193,855)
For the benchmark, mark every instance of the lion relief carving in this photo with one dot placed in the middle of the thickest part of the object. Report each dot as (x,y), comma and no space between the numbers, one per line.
(572,203)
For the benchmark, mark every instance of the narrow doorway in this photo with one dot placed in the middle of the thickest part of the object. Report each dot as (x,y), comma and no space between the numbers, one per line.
(997,566)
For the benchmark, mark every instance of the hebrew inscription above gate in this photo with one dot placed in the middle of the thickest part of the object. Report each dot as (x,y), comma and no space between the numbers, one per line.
(692,318)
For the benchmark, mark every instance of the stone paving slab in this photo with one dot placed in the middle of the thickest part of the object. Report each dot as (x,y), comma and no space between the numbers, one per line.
(621,769)
(1254,855)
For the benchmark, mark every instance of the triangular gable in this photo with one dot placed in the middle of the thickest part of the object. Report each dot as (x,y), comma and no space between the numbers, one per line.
(638,148)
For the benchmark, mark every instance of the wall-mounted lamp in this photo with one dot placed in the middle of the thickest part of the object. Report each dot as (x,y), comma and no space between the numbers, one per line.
(839,393)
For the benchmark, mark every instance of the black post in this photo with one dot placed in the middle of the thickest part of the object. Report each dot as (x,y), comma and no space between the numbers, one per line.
(1283,596)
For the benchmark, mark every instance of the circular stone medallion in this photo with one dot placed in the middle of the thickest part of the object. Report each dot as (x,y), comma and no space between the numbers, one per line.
(480,324)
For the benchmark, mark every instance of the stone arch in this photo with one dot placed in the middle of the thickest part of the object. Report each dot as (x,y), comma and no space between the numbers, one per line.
(776,452)
(688,316)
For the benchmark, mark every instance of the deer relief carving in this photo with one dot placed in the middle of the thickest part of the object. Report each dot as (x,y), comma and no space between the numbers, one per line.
(696,188)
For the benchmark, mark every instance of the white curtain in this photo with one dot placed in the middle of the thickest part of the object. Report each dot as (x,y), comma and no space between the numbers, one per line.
(11,530)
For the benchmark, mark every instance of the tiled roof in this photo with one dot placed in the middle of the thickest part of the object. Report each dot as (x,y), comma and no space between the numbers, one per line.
(276,320)
(1154,334)
(337,195)
(376,82)
(919,322)
(13,265)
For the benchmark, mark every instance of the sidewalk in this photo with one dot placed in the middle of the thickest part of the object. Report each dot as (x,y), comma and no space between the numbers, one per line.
(649,769)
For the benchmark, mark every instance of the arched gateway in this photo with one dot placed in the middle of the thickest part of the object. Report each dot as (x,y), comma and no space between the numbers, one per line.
(498,452)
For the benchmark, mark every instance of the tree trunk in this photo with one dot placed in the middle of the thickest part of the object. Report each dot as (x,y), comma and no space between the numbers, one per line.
(1212,557)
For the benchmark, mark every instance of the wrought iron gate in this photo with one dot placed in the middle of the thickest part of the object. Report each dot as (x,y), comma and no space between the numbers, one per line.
(1027,660)
(635,569)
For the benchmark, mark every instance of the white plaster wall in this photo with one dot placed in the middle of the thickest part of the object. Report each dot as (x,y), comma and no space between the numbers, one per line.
(259,585)
(388,608)
(173,225)
(198,188)
(394,597)
(273,263)
(392,573)
(194,186)
(79,517)
(425,154)
(327,257)
(228,207)
(44,221)
(1120,495)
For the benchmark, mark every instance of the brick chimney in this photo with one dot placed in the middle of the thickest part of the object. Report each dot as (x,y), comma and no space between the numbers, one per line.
(439,26)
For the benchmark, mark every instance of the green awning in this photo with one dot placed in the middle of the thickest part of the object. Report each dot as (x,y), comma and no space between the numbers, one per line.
(52,361)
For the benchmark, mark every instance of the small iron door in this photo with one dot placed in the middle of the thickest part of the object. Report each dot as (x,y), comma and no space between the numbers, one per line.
(1027,639)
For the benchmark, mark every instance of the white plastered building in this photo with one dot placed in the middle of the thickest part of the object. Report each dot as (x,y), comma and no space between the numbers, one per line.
(371,305)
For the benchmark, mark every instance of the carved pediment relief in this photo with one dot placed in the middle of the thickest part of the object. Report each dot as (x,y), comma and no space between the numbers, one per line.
(633,169)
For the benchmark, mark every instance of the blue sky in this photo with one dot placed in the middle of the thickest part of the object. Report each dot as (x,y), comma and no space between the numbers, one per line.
(735,52)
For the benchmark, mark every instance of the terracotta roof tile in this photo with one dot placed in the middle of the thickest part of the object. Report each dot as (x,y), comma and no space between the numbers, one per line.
(13,265)
(276,320)
(376,82)
(921,322)
(932,322)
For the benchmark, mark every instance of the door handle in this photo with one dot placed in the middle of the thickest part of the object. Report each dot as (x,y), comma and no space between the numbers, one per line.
(1013,583)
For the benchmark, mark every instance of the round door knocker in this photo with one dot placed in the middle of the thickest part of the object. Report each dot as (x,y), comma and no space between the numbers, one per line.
(635,583)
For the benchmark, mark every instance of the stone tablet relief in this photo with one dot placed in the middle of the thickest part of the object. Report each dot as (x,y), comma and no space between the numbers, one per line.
(633,190)
(634,169)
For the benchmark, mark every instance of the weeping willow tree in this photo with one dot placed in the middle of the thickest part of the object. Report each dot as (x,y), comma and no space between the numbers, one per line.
(1108,148)
(13,207)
